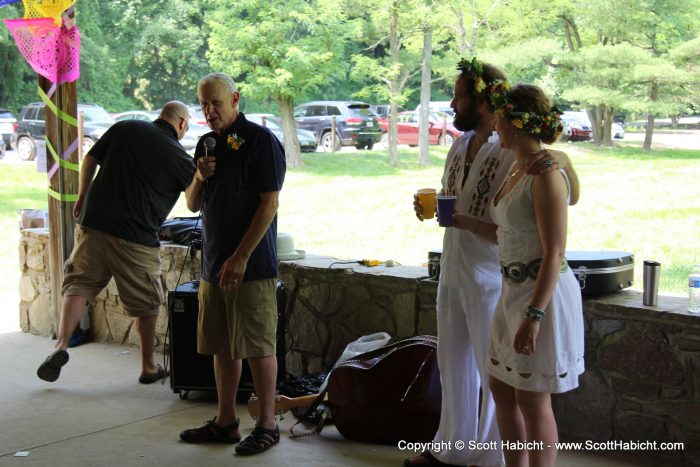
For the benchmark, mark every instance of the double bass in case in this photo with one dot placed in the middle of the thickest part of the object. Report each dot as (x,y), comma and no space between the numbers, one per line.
(600,272)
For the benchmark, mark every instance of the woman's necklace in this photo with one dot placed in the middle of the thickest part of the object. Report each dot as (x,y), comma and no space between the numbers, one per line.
(513,174)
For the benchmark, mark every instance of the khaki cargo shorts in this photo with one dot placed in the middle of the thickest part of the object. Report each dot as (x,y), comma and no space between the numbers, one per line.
(136,268)
(242,322)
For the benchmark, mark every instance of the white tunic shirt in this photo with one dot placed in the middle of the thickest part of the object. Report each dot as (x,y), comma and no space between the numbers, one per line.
(469,260)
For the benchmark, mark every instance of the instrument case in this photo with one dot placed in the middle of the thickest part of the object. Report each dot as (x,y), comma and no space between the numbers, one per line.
(601,272)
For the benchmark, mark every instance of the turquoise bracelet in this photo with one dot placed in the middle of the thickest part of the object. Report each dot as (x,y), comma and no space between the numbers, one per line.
(534,314)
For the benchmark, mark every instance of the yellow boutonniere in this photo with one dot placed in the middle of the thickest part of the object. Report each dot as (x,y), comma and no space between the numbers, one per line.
(517,123)
(234,141)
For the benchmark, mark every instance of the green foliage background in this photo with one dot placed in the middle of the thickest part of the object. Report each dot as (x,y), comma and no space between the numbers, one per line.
(141,53)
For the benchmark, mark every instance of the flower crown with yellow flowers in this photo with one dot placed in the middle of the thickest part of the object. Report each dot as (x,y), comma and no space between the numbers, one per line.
(540,125)
(473,69)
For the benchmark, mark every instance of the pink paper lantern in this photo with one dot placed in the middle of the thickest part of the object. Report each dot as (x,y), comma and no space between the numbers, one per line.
(51,51)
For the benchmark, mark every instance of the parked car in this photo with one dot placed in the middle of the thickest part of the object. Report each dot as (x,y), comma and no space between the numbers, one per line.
(189,141)
(407,124)
(145,115)
(8,123)
(382,111)
(355,123)
(440,106)
(576,126)
(2,148)
(197,114)
(31,127)
(307,140)
(617,131)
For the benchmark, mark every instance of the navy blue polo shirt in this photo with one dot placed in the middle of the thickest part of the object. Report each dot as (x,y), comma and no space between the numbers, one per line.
(249,161)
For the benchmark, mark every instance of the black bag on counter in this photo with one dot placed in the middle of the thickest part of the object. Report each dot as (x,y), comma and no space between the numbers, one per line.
(182,230)
(601,272)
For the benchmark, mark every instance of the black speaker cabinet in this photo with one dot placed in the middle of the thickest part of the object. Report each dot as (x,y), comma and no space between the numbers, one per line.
(190,371)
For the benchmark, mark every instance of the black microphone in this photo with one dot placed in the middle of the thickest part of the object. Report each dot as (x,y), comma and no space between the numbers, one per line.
(209,145)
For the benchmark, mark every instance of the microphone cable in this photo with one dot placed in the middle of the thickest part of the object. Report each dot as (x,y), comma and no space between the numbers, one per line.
(209,145)
(171,301)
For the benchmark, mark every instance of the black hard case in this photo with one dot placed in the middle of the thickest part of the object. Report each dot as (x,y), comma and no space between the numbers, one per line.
(190,371)
(601,272)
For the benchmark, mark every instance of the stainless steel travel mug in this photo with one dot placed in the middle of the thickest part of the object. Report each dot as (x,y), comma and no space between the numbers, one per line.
(651,283)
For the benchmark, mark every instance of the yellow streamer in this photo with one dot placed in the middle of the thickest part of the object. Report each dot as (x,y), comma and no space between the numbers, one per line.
(60,197)
(63,163)
(59,113)
(46,9)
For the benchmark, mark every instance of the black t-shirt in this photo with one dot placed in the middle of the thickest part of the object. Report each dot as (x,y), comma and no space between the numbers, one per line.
(249,161)
(143,170)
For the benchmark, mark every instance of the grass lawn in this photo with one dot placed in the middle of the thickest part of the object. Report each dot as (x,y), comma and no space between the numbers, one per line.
(353,205)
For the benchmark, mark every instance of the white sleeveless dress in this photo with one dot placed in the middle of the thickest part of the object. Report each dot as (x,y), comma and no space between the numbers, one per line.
(558,360)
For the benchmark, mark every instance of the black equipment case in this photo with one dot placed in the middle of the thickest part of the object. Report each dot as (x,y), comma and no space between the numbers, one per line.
(190,371)
(601,272)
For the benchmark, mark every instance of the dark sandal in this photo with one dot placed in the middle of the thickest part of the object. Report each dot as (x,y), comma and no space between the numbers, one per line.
(50,369)
(211,433)
(148,379)
(261,439)
(426,459)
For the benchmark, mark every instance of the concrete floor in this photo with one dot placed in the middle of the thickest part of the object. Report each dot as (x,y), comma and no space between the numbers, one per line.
(97,414)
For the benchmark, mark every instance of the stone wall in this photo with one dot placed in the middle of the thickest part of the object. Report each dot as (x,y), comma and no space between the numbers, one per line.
(108,321)
(642,379)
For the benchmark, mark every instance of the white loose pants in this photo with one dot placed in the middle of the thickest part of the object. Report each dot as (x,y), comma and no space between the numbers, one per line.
(464,325)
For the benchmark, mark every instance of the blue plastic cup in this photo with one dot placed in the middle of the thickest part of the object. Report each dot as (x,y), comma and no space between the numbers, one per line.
(445,208)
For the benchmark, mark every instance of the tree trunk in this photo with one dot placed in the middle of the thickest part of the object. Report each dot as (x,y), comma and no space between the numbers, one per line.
(461,33)
(607,125)
(292,149)
(394,80)
(595,116)
(424,117)
(654,96)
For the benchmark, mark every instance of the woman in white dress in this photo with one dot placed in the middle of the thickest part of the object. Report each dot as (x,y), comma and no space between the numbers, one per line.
(536,344)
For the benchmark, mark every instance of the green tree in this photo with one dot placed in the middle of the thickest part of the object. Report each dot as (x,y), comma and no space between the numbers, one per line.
(602,56)
(102,67)
(168,48)
(391,62)
(281,50)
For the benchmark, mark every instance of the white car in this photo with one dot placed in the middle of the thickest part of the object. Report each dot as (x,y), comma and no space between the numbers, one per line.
(7,125)
(189,141)
(617,131)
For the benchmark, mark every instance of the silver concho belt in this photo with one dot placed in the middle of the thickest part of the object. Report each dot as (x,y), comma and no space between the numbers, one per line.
(520,272)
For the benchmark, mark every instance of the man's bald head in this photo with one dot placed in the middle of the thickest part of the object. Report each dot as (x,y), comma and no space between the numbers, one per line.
(177,114)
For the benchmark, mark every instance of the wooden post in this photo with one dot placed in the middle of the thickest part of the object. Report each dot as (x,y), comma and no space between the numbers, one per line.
(444,131)
(333,133)
(60,135)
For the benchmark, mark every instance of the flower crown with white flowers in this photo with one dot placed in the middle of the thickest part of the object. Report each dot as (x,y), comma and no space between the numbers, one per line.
(540,125)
